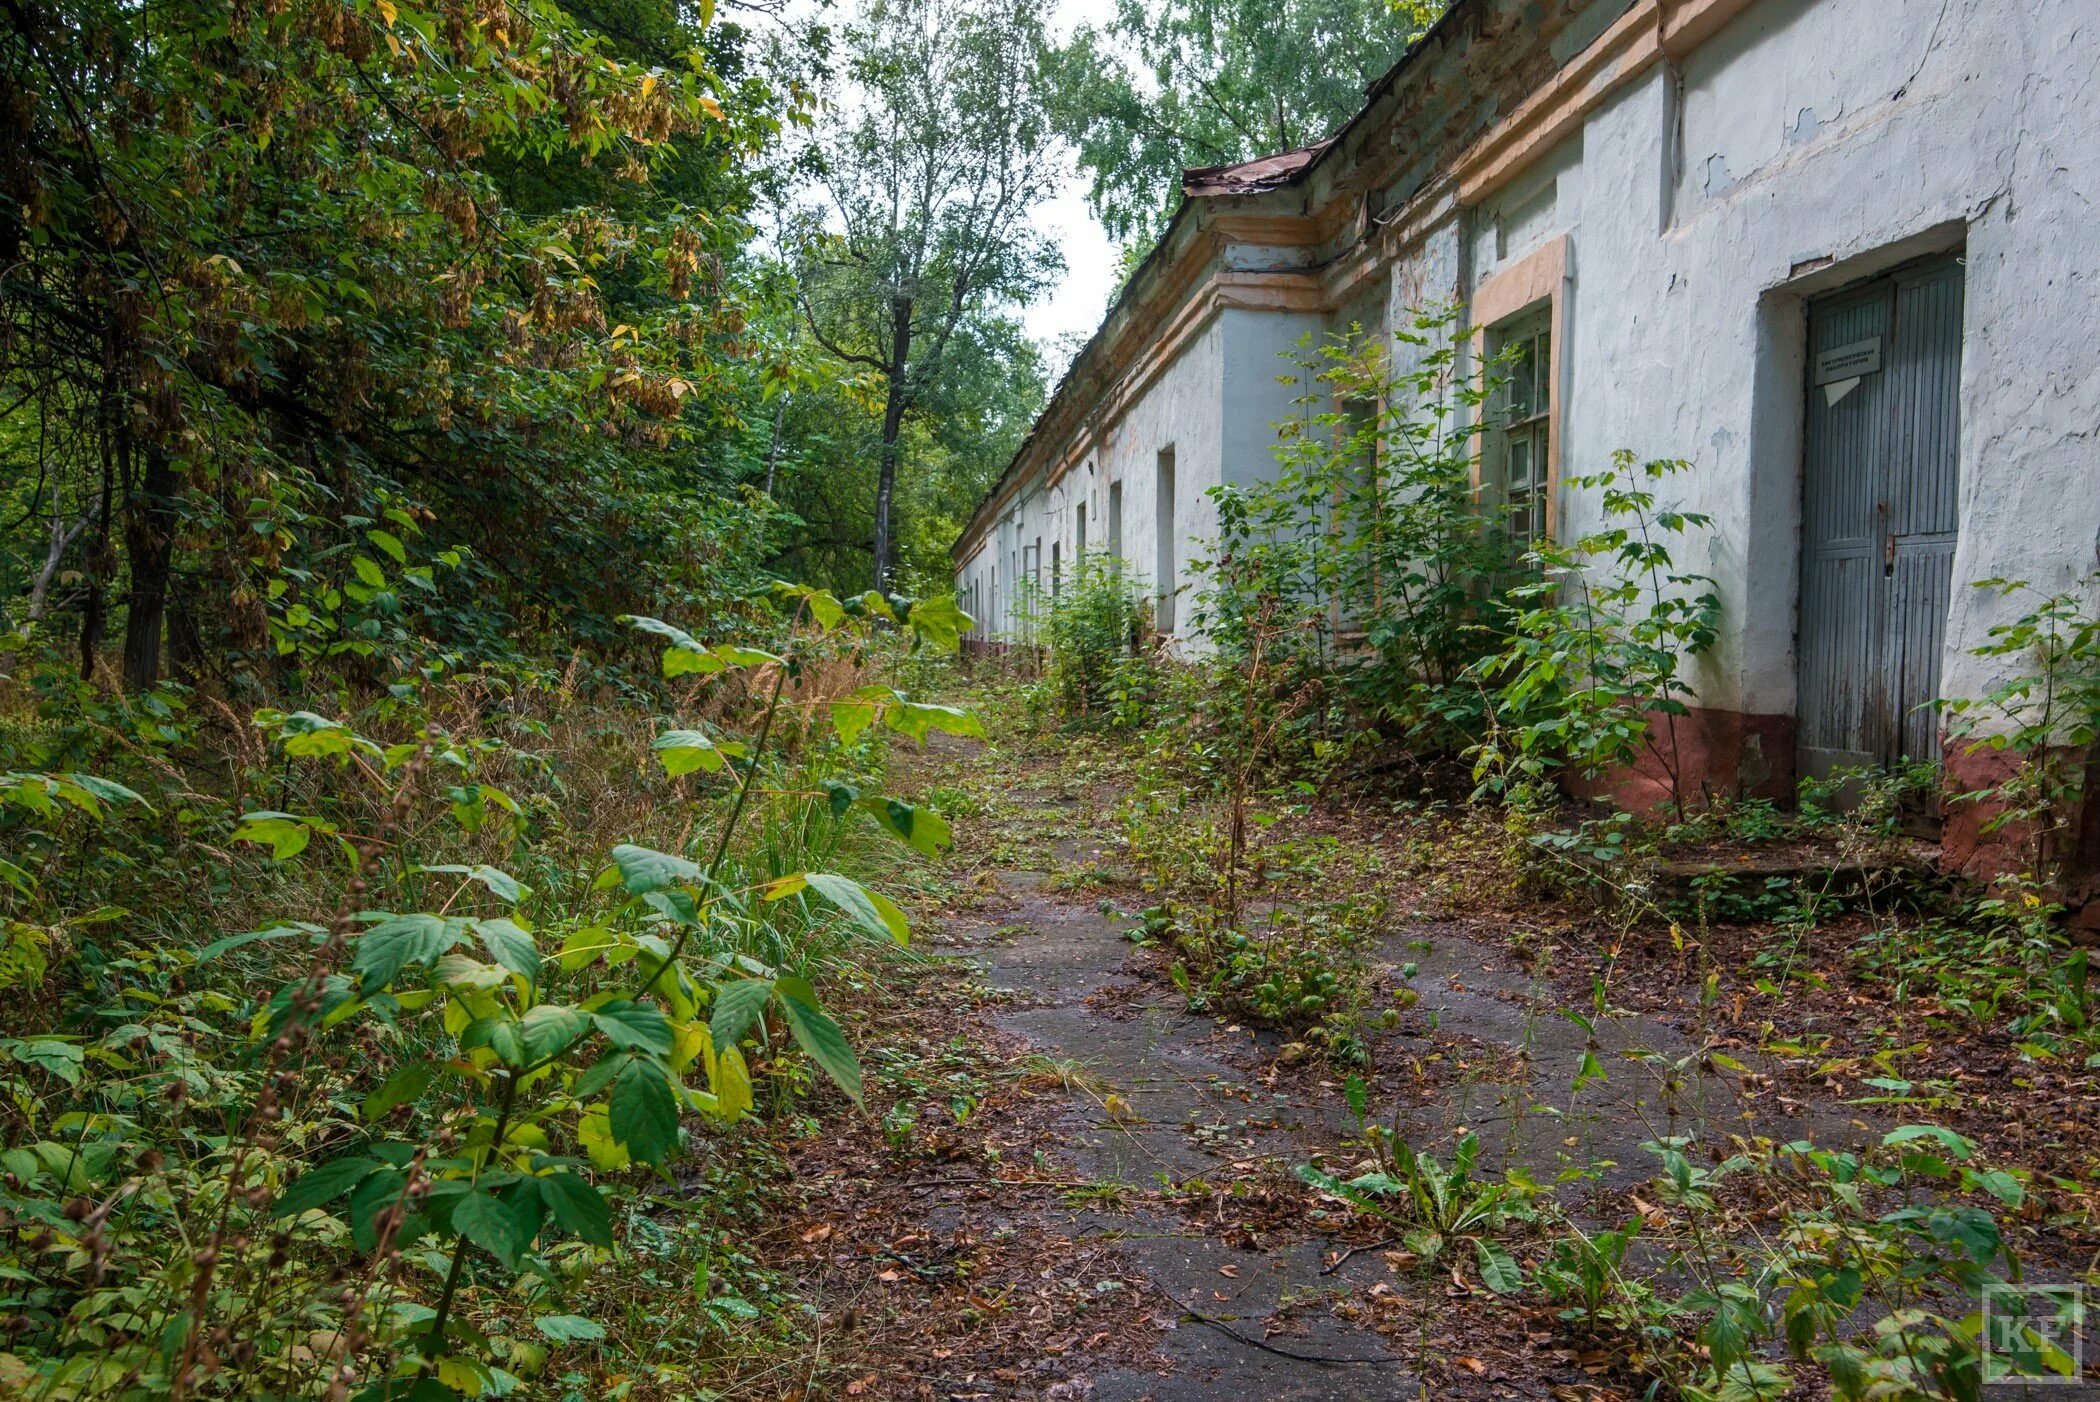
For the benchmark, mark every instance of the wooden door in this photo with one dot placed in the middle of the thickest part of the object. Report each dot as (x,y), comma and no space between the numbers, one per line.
(1880,516)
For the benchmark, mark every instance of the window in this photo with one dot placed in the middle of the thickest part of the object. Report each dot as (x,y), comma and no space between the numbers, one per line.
(1115,524)
(1079,533)
(1356,512)
(1163,531)
(1055,572)
(1516,458)
(1358,432)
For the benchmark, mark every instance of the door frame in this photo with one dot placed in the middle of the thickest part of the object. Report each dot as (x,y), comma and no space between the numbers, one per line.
(1890,265)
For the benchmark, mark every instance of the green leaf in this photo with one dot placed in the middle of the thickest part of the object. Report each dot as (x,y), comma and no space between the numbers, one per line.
(403,1087)
(375,1194)
(737,1006)
(1970,1228)
(938,622)
(53,1055)
(500,1034)
(1498,1271)
(2002,1186)
(368,570)
(677,636)
(389,544)
(736,655)
(493,1225)
(501,883)
(107,790)
(915,719)
(577,1208)
(569,1328)
(818,1035)
(683,751)
(456,970)
(643,1112)
(644,869)
(275,932)
(851,717)
(872,911)
(509,945)
(686,655)
(633,1026)
(923,828)
(1953,1143)
(317,1187)
(601,1073)
(549,1029)
(401,942)
(284,834)
(681,662)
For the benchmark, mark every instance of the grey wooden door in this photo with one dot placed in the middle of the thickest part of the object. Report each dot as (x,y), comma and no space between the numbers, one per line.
(1879,516)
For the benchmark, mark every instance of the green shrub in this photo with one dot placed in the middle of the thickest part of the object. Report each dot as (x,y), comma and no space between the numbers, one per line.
(1594,658)
(389,1142)
(1099,667)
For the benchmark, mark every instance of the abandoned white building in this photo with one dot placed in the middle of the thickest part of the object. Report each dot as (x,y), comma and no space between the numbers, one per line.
(1841,254)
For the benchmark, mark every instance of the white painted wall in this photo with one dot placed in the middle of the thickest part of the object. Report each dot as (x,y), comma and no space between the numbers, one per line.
(1182,408)
(1810,144)
(1823,141)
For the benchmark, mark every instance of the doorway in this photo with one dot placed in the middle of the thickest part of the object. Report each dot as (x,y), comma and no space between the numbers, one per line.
(1879,518)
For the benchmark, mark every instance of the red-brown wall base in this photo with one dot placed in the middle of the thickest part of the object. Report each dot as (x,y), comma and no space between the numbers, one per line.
(1967,849)
(1730,754)
(1718,754)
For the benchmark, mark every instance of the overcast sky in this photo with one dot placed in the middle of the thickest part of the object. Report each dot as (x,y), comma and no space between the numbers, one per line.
(1076,304)
(1090,259)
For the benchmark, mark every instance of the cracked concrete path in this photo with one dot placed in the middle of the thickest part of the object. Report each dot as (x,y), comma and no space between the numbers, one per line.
(1180,1111)
(1181,1096)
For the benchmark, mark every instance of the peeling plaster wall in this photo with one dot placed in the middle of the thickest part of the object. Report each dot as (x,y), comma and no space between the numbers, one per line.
(1260,347)
(1214,405)
(1182,409)
(1806,145)
(1823,141)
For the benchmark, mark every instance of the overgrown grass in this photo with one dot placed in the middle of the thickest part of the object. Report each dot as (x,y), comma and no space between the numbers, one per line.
(275,1126)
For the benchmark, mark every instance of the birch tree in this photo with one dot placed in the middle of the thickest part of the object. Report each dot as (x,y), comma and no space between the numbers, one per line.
(919,218)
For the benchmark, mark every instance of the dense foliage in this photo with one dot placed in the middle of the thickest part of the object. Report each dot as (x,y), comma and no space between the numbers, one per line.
(334,1071)
(285,286)
(376,921)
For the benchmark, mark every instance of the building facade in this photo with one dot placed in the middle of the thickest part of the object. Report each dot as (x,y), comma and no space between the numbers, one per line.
(1842,255)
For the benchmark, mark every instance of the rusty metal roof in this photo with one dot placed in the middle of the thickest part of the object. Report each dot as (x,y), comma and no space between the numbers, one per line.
(1251,177)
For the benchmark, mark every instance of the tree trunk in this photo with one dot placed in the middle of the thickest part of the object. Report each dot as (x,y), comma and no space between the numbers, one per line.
(780,412)
(93,609)
(62,535)
(895,402)
(149,539)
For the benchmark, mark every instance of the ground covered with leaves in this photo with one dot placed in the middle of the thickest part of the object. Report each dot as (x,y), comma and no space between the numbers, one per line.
(1442,1109)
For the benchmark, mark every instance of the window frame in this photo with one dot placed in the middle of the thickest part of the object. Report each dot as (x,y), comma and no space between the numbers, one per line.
(1521,420)
(1535,286)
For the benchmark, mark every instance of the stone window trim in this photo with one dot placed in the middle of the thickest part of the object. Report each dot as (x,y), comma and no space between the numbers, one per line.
(1534,284)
